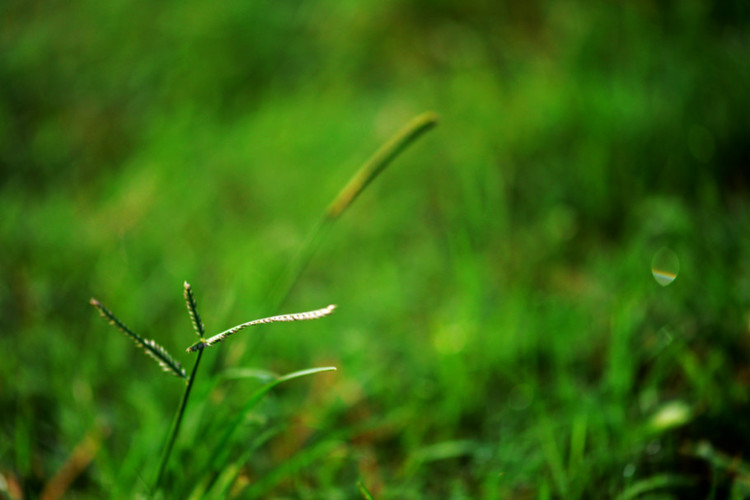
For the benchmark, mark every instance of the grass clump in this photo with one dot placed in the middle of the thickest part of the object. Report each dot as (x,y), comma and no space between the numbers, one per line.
(219,479)
(169,364)
(501,280)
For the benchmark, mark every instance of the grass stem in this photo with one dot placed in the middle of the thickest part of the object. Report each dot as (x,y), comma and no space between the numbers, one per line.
(192,307)
(391,149)
(177,422)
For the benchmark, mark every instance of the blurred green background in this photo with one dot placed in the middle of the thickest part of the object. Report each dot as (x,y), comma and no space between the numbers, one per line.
(499,333)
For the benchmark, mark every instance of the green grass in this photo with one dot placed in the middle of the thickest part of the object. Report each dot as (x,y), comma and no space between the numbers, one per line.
(498,333)
(218,475)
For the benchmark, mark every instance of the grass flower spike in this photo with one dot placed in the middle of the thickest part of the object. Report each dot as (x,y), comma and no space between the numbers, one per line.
(165,360)
(193,310)
(169,364)
(303,316)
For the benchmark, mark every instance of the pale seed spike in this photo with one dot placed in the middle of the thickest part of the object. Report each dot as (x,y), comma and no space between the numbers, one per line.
(193,310)
(165,360)
(107,314)
(303,316)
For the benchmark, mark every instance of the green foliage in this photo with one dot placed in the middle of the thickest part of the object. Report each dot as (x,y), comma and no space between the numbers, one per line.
(168,363)
(500,334)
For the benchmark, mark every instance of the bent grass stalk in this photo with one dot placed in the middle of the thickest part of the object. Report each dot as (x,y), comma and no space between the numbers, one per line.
(367,173)
(169,364)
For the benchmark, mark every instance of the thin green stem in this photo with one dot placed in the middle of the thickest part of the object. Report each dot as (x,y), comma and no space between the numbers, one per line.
(379,161)
(177,422)
(367,173)
(192,307)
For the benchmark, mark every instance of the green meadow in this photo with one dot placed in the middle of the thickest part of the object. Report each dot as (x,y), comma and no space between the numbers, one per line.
(542,284)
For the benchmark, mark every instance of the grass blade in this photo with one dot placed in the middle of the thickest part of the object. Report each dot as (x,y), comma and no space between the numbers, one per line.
(245,373)
(221,449)
(379,161)
(157,352)
(356,185)
(285,378)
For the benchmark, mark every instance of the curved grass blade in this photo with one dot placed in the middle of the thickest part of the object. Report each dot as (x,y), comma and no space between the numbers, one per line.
(221,450)
(255,399)
(165,360)
(381,159)
(356,185)
(318,313)
(245,373)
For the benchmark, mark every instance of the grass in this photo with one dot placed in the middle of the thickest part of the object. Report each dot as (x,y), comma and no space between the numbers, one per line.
(500,333)
(369,171)
(168,363)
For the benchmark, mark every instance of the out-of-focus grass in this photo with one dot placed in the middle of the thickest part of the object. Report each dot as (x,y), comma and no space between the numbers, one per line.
(499,333)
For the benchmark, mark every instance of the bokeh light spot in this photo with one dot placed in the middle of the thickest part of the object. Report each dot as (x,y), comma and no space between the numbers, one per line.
(665,266)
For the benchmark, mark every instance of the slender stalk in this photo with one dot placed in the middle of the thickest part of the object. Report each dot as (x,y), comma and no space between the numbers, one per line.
(381,159)
(367,173)
(177,422)
(192,307)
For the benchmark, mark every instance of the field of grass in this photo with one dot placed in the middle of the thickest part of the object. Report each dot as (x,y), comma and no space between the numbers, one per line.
(499,330)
